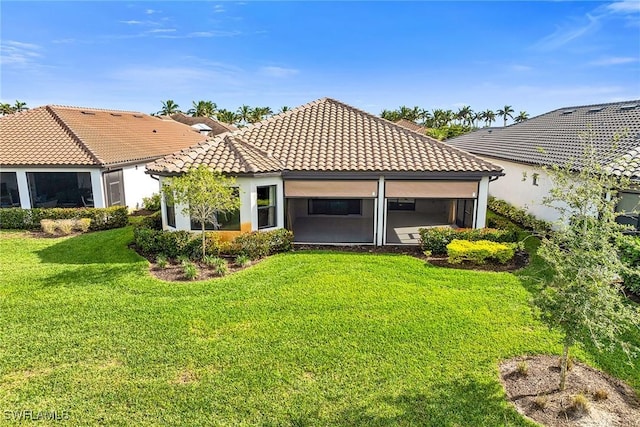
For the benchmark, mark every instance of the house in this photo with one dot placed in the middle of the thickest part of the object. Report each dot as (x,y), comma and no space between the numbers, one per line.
(336,175)
(66,156)
(558,138)
(411,125)
(205,125)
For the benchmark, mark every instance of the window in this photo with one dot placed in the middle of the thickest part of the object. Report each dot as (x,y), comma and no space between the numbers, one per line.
(335,207)
(171,214)
(402,204)
(9,196)
(628,205)
(221,221)
(60,189)
(267,206)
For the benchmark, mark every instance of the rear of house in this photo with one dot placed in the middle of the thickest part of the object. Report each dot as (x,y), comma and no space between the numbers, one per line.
(336,175)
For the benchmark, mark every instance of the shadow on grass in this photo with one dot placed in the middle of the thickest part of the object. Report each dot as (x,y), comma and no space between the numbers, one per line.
(461,402)
(101,247)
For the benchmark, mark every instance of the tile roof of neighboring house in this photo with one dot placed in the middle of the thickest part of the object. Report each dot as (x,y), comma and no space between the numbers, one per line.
(558,137)
(411,125)
(327,135)
(216,127)
(69,136)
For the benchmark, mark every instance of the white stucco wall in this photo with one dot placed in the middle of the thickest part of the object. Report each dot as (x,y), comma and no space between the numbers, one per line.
(137,184)
(248,203)
(520,191)
(23,185)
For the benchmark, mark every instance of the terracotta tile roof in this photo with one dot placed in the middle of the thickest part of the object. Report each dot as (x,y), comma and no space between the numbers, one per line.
(411,125)
(327,135)
(224,153)
(216,127)
(56,135)
(559,137)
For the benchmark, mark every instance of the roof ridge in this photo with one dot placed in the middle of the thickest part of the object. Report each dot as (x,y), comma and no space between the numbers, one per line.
(73,136)
(604,104)
(268,155)
(106,110)
(278,116)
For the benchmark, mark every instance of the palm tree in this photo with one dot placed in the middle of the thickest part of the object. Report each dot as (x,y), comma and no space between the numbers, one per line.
(244,114)
(284,109)
(6,109)
(169,107)
(19,106)
(226,116)
(203,109)
(392,116)
(489,117)
(505,113)
(465,115)
(521,117)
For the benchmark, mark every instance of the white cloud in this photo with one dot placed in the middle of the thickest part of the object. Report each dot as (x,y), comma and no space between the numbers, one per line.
(18,53)
(279,71)
(615,60)
(218,9)
(626,6)
(131,22)
(202,34)
(150,11)
(162,30)
(567,34)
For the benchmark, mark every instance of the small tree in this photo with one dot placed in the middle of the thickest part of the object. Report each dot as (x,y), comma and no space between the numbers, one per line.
(583,299)
(204,194)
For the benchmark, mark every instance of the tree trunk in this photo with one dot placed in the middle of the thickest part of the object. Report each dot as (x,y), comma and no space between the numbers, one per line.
(564,362)
(204,246)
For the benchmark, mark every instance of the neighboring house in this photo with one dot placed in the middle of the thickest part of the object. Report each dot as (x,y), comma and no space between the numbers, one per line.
(411,126)
(205,125)
(334,174)
(57,156)
(558,138)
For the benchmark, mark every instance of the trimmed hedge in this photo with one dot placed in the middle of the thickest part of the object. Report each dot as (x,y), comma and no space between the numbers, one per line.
(436,239)
(519,216)
(173,244)
(29,219)
(479,252)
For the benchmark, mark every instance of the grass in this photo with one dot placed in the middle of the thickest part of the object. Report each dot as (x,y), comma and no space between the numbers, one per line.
(309,338)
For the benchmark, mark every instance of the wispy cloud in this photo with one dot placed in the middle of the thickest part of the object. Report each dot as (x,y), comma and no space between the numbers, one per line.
(626,6)
(150,11)
(568,33)
(18,53)
(132,22)
(201,34)
(162,30)
(520,68)
(279,71)
(219,9)
(615,60)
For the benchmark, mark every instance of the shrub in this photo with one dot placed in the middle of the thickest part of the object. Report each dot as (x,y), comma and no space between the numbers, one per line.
(280,240)
(540,402)
(519,216)
(65,226)
(29,219)
(479,252)
(629,250)
(219,265)
(152,203)
(579,404)
(153,221)
(600,394)
(83,224)
(170,243)
(242,261)
(522,368)
(436,239)
(48,226)
(190,270)
(161,261)
(255,245)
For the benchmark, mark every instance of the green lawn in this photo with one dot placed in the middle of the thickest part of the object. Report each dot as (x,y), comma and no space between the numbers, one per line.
(310,338)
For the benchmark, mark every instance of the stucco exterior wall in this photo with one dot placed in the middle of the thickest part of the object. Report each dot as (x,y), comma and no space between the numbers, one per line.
(517,187)
(137,184)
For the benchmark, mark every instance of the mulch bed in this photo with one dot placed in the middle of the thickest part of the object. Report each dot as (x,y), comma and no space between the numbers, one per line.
(174,273)
(536,395)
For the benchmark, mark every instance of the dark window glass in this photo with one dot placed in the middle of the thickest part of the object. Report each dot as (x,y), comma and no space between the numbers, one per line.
(267,206)
(60,189)
(171,214)
(9,196)
(335,207)
(221,221)
(402,204)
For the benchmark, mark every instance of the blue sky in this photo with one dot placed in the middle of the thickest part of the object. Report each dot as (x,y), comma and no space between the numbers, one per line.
(535,56)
